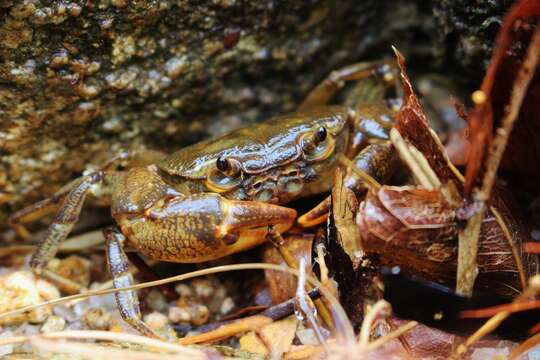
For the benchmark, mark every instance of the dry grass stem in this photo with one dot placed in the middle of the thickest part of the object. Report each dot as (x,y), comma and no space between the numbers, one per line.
(381,307)
(515,252)
(415,161)
(467,268)
(92,351)
(392,335)
(305,305)
(493,310)
(154,344)
(250,323)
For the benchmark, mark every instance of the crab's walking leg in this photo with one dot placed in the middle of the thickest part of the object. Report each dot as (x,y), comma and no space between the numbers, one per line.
(37,211)
(329,87)
(68,214)
(127,301)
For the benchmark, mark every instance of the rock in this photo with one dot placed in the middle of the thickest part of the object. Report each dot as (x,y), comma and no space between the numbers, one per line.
(74,268)
(53,323)
(21,288)
(226,306)
(199,314)
(156,321)
(156,300)
(179,314)
(97,319)
(7,348)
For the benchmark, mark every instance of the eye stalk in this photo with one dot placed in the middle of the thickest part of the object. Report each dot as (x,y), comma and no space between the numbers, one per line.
(311,142)
(228,167)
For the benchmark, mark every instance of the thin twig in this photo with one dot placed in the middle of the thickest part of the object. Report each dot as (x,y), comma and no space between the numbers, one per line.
(304,304)
(92,351)
(275,312)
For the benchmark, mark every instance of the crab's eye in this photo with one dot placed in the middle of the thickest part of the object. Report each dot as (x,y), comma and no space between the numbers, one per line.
(317,145)
(321,134)
(225,176)
(313,141)
(229,167)
(222,164)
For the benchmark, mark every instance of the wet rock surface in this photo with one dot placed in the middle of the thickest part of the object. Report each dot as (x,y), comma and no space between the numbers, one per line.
(79,81)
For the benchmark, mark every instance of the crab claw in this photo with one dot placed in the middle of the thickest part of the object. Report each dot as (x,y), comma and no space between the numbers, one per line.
(245,223)
(202,227)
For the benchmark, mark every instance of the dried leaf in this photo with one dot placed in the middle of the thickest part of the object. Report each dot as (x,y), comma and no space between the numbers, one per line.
(412,124)
(417,229)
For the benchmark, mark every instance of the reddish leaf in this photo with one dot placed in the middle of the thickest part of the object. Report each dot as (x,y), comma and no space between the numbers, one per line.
(412,124)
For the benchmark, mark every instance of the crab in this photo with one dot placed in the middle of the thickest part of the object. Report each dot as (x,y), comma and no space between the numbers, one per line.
(221,196)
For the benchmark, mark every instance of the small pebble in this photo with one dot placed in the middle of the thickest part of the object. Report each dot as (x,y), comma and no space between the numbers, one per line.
(226,306)
(156,321)
(47,290)
(65,312)
(199,314)
(97,319)
(179,314)
(119,3)
(176,66)
(204,288)
(59,59)
(20,289)
(74,9)
(183,290)
(53,323)
(74,268)
(156,301)
(8,348)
